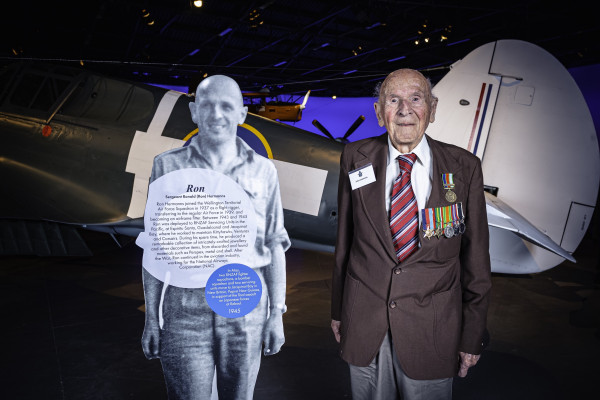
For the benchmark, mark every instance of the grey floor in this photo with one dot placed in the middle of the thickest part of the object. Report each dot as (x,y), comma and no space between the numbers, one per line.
(70,329)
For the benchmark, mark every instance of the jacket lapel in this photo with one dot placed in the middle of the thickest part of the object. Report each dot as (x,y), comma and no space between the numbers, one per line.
(443,163)
(372,196)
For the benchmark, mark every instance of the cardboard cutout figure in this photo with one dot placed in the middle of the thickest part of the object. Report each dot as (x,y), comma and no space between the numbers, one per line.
(214,262)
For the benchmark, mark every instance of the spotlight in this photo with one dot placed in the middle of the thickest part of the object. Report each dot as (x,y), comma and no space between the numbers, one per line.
(146,16)
(196,3)
(255,19)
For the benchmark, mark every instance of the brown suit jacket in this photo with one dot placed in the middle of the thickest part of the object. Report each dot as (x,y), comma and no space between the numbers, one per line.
(435,302)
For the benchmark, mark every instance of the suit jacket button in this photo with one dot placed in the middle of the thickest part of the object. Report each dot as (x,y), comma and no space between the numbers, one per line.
(398,271)
(393,304)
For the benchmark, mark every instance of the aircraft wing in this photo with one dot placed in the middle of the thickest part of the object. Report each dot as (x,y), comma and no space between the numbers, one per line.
(501,215)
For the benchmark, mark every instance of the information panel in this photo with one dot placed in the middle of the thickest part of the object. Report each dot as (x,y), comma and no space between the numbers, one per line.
(196,221)
(233,290)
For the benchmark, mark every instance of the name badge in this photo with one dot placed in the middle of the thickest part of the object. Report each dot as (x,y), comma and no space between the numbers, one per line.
(362,176)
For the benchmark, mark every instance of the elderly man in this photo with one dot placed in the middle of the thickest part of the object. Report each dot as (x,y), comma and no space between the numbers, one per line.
(412,277)
(193,339)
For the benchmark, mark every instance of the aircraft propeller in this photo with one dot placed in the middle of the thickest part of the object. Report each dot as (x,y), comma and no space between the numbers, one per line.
(303,105)
(343,139)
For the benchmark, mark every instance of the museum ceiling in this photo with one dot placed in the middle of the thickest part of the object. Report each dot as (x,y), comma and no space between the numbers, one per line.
(331,47)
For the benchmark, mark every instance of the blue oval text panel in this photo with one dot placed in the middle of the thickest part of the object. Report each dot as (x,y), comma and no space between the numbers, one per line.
(233,290)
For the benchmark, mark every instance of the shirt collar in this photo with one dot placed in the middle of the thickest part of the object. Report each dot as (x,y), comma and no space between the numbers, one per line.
(422,151)
(245,153)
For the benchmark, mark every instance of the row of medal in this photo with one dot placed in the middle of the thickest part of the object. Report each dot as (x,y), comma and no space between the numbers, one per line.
(447,221)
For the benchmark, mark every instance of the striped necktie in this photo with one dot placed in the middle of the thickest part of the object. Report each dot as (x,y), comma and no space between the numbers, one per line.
(404,216)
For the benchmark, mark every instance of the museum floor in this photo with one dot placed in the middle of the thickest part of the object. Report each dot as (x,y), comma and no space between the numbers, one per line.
(71,330)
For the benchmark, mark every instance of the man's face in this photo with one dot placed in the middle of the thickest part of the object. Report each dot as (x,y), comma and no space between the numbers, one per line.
(217,111)
(405,107)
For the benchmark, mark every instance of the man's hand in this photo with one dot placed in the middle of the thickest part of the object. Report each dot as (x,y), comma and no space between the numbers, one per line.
(335,327)
(466,362)
(273,335)
(151,339)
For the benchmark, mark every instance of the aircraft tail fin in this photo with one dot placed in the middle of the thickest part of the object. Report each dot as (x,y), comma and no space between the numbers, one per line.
(501,215)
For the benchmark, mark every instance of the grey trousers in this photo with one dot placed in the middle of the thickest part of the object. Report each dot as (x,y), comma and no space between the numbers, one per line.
(195,342)
(384,379)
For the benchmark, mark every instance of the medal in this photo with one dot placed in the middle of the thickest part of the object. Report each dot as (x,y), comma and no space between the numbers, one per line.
(438,222)
(429,227)
(455,221)
(425,224)
(432,222)
(448,182)
(447,221)
(449,231)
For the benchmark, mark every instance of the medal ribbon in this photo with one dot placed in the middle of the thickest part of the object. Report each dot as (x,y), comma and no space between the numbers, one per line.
(454,213)
(448,180)
(431,220)
(438,218)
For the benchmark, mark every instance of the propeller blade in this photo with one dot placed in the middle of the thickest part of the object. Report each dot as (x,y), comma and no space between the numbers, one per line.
(303,105)
(354,126)
(322,128)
